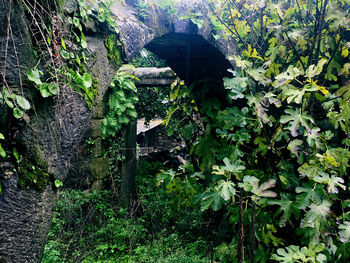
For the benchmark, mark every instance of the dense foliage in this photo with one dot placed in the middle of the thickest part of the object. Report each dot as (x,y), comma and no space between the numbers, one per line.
(152,102)
(268,172)
(91,227)
(275,155)
(121,104)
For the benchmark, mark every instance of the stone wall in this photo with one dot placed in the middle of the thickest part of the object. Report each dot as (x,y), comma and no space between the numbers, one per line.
(55,138)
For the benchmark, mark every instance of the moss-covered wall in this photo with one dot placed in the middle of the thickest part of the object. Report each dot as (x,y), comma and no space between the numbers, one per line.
(114,48)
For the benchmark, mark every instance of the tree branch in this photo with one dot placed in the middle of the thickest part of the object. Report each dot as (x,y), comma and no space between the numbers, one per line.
(295,50)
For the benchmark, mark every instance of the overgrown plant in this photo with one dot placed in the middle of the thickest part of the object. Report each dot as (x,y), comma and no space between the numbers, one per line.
(121,104)
(142,9)
(280,144)
(90,227)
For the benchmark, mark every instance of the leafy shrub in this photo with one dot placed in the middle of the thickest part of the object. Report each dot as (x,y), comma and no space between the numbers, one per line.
(90,227)
(279,143)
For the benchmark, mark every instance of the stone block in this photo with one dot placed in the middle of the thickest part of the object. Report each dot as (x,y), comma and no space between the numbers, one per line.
(97,148)
(99,167)
(98,110)
(96,128)
(97,185)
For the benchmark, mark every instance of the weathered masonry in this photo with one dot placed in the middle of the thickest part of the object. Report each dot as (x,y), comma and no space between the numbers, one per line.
(55,135)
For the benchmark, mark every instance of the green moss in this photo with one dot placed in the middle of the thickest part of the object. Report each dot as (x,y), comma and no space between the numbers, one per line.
(90,93)
(40,159)
(114,50)
(32,176)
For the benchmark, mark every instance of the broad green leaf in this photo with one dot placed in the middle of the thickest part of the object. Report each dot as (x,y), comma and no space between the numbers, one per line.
(241,63)
(313,137)
(2,137)
(227,190)
(342,157)
(22,102)
(262,189)
(309,170)
(296,34)
(17,113)
(87,80)
(294,146)
(293,94)
(341,118)
(9,102)
(344,91)
(76,21)
(321,258)
(287,207)
(321,210)
(44,90)
(315,70)
(286,77)
(34,75)
(292,254)
(272,99)
(251,184)
(344,232)
(2,152)
(258,74)
(211,200)
(233,116)
(239,136)
(234,167)
(287,255)
(296,118)
(52,88)
(237,87)
(58,183)
(260,110)
(345,70)
(332,182)
(65,54)
(83,43)
(272,52)
(307,194)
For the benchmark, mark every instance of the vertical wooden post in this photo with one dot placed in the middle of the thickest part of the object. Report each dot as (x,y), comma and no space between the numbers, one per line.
(127,189)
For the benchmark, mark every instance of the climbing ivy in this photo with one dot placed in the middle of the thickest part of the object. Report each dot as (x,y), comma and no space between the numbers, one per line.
(61,51)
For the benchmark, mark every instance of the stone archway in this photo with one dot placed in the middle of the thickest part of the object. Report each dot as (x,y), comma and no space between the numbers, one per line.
(191,51)
(174,38)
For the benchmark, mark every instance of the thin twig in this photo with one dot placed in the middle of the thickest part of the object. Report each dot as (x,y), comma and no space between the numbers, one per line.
(17,60)
(43,38)
(241,229)
(295,51)
(7,40)
(253,241)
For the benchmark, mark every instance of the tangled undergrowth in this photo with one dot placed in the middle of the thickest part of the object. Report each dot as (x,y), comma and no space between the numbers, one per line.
(91,227)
